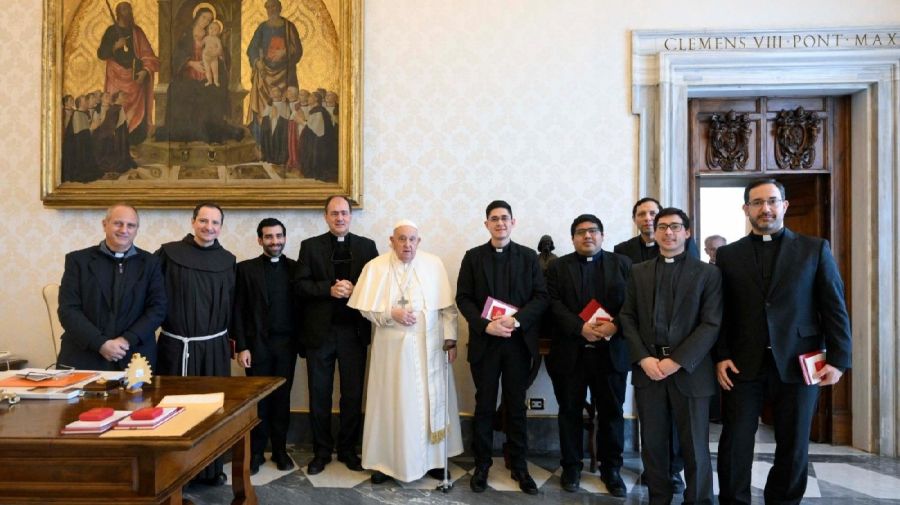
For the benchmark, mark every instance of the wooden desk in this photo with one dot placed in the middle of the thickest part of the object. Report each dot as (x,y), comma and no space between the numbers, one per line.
(38,465)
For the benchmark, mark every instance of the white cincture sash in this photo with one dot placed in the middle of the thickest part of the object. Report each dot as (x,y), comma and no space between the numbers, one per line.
(184,349)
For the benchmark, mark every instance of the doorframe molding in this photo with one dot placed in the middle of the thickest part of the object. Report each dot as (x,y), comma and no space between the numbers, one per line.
(662,83)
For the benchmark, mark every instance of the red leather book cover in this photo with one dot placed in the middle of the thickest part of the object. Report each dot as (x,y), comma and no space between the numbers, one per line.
(147,413)
(810,363)
(96,414)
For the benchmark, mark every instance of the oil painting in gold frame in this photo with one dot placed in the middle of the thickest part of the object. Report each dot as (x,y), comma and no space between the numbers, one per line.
(161,103)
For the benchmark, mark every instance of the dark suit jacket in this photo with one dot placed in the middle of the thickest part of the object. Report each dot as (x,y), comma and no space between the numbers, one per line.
(696,320)
(803,310)
(85,300)
(564,287)
(632,248)
(527,292)
(315,276)
(250,319)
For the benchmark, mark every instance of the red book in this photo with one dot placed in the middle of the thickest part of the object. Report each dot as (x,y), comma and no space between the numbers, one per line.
(494,308)
(96,414)
(810,363)
(81,427)
(147,413)
(595,312)
(130,423)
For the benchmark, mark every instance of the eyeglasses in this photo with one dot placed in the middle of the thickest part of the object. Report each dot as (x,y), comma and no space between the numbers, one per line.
(771,202)
(60,372)
(497,219)
(587,231)
(675,227)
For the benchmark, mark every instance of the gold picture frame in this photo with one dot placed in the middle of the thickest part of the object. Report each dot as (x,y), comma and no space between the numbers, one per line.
(171,172)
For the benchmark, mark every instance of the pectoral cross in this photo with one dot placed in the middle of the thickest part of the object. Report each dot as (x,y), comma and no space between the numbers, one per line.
(402,301)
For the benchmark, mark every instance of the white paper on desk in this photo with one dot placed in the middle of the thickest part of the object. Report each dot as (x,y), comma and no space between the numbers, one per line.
(217,399)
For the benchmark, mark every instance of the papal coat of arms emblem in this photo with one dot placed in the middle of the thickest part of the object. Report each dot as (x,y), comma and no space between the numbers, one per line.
(796,132)
(729,135)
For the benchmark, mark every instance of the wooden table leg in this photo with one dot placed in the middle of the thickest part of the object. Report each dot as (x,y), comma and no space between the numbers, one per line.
(240,472)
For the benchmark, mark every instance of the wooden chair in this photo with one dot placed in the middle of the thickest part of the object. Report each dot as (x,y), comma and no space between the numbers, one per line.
(51,300)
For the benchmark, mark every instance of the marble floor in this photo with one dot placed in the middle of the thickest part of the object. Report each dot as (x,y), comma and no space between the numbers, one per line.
(838,475)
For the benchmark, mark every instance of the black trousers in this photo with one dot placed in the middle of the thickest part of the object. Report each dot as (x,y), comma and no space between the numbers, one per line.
(793,408)
(274,410)
(660,404)
(591,371)
(506,361)
(345,349)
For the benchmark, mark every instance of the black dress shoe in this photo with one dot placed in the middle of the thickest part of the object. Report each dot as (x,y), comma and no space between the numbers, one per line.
(478,483)
(614,483)
(317,465)
(677,483)
(218,480)
(283,461)
(379,478)
(570,479)
(438,474)
(352,461)
(526,483)
(256,460)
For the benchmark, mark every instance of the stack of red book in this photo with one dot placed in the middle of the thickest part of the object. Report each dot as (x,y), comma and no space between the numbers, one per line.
(96,420)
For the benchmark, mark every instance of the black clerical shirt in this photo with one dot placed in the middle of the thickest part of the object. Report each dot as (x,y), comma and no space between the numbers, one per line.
(668,272)
(501,273)
(766,252)
(278,289)
(342,260)
(117,263)
(648,251)
(590,267)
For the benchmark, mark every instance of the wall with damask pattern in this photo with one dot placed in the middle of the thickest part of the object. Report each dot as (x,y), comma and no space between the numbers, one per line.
(465,101)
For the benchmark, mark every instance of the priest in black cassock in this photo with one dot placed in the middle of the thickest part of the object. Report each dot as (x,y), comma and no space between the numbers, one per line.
(200,277)
(641,248)
(265,329)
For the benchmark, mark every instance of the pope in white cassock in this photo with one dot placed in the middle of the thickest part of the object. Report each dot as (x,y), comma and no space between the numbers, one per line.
(411,410)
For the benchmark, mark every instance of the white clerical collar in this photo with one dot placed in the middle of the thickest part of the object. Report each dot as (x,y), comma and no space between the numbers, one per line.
(648,244)
(767,238)
(341,238)
(118,254)
(589,258)
(669,260)
(274,259)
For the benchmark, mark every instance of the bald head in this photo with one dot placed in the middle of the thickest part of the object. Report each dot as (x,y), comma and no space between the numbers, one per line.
(113,207)
(120,227)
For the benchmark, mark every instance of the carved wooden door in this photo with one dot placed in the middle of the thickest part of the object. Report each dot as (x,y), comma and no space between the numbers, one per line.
(804,142)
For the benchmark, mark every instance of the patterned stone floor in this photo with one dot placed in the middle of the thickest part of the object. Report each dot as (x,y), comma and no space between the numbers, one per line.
(838,475)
